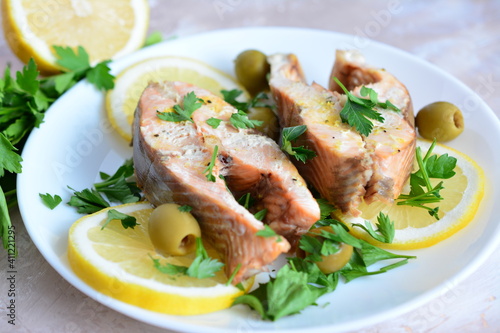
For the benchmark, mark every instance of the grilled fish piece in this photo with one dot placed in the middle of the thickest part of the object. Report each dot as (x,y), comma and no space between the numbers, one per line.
(392,142)
(342,166)
(348,167)
(171,158)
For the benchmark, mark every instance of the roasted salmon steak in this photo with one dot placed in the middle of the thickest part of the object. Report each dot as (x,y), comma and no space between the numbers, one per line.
(172,160)
(392,142)
(349,167)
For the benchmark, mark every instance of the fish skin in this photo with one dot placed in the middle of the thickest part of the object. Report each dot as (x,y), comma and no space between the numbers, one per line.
(392,142)
(342,166)
(170,160)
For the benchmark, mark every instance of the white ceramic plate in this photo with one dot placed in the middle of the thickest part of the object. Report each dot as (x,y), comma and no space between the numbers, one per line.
(76,142)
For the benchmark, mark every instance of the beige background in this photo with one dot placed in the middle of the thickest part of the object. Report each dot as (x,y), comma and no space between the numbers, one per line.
(461,37)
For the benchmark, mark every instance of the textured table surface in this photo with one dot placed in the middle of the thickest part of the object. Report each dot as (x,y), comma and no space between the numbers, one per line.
(461,37)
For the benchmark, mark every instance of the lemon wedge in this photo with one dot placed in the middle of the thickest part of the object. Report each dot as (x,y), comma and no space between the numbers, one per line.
(130,83)
(415,228)
(119,262)
(106,29)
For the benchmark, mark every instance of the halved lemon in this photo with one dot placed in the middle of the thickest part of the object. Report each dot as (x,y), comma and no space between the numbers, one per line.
(130,83)
(106,29)
(119,262)
(415,228)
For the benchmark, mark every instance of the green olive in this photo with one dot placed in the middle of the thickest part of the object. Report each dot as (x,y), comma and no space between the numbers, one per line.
(172,232)
(251,68)
(441,120)
(269,126)
(332,262)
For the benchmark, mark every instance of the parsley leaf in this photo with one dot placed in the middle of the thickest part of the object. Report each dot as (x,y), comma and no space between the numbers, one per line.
(325,208)
(9,159)
(203,266)
(184,113)
(385,228)
(117,188)
(154,38)
(267,232)
(214,122)
(168,268)
(100,77)
(290,134)
(240,120)
(50,201)
(261,214)
(27,78)
(126,220)
(209,169)
(69,59)
(287,294)
(328,222)
(230,96)
(246,200)
(185,208)
(87,201)
(357,112)
(6,223)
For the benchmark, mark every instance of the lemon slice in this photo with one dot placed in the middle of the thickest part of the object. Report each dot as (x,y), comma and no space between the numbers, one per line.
(106,29)
(119,262)
(130,83)
(415,228)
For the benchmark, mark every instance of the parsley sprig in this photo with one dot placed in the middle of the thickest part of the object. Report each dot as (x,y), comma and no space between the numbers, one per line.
(190,103)
(385,228)
(290,134)
(24,99)
(300,283)
(422,192)
(117,188)
(358,112)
